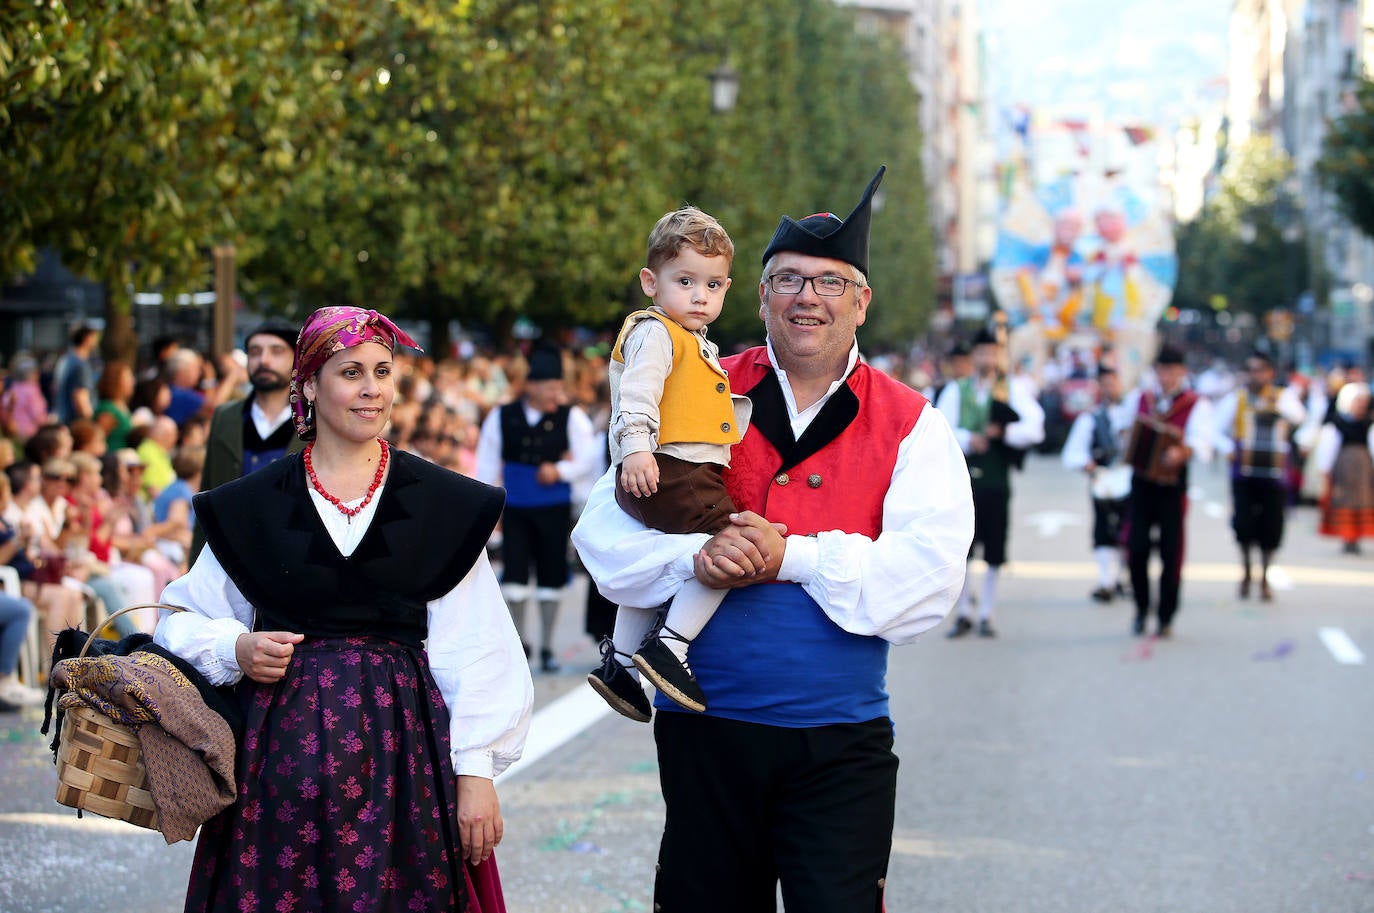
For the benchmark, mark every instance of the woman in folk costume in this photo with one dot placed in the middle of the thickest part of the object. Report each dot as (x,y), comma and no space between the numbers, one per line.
(1345,455)
(380,672)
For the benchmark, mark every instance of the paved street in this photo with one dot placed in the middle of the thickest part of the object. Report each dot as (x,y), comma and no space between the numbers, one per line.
(1063,767)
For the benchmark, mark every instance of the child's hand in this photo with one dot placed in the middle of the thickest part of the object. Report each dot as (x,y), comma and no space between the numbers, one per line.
(639,474)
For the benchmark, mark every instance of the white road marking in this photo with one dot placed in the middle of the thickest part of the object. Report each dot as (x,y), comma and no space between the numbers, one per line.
(557,723)
(1049,523)
(1341,646)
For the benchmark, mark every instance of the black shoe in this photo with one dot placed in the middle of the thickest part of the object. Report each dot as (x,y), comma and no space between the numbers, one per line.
(985,629)
(663,670)
(961,627)
(1351,548)
(1121,590)
(1165,632)
(547,663)
(618,687)
(1102,594)
(1138,626)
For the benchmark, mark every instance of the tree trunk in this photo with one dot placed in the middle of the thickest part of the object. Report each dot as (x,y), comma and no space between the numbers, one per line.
(119,342)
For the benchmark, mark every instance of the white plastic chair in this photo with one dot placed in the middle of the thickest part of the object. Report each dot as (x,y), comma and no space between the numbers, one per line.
(31,653)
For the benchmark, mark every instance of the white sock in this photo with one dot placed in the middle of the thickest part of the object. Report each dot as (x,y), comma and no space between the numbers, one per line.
(631,624)
(962,609)
(989,595)
(691,608)
(1106,570)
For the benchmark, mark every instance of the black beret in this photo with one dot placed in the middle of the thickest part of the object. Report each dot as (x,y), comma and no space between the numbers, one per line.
(825,235)
(1169,355)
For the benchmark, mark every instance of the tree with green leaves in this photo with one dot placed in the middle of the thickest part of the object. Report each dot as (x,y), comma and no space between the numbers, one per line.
(133,132)
(1346,166)
(482,161)
(1246,250)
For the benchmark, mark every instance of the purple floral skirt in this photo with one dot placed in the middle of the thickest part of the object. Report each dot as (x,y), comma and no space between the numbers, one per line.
(347,797)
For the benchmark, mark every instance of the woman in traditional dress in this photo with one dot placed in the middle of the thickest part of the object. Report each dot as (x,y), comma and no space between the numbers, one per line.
(365,775)
(1344,449)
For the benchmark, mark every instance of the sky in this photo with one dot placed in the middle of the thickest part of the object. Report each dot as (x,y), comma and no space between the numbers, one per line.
(1145,60)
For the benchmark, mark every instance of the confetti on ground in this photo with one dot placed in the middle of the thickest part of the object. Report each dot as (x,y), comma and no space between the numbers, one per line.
(1279,651)
(1359,876)
(586,846)
(1142,651)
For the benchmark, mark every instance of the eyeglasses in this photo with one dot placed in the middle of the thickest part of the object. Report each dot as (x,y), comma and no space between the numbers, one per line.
(825,286)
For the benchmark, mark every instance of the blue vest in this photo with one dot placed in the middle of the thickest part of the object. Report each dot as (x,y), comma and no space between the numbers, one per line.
(806,672)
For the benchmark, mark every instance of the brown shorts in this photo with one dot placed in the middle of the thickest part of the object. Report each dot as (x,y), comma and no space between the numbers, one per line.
(691,498)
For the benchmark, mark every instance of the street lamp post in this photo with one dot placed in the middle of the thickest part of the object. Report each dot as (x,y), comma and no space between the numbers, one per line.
(724,87)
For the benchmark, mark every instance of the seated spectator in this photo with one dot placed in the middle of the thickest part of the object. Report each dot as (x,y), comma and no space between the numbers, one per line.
(50,441)
(15,615)
(135,533)
(22,406)
(113,412)
(88,437)
(173,505)
(155,451)
(93,509)
(61,606)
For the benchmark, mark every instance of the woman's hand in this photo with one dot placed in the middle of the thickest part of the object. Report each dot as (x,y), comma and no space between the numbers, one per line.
(264,655)
(480,827)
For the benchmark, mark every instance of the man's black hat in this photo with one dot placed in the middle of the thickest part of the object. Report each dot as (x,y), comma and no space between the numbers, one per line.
(545,364)
(985,337)
(960,350)
(278,328)
(1169,355)
(824,235)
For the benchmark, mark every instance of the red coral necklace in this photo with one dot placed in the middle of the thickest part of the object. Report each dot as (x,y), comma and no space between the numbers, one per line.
(349,512)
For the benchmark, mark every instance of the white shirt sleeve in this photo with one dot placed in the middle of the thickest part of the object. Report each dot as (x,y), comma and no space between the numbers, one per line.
(1224,420)
(205,635)
(1329,446)
(1199,431)
(895,587)
(481,670)
(1029,429)
(1077,452)
(489,448)
(950,406)
(1290,406)
(583,452)
(631,564)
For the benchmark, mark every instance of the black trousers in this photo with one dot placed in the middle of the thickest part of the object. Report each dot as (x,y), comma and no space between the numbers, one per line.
(991,514)
(538,536)
(751,805)
(1108,515)
(1259,509)
(1159,507)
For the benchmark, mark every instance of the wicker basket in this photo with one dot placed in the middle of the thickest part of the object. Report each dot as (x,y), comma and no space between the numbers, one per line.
(99,764)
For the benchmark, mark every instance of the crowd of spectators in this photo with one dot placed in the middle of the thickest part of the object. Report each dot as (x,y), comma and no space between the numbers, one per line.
(100,460)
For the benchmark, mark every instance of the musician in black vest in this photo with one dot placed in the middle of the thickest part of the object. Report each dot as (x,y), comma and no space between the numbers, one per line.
(247,434)
(1159,487)
(536,447)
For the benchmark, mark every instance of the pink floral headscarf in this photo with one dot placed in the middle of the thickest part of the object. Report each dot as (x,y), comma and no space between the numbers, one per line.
(331,330)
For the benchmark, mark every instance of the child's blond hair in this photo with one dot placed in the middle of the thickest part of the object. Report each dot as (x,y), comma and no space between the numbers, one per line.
(688,226)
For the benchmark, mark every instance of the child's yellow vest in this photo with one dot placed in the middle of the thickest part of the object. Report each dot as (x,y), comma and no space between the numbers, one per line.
(695,407)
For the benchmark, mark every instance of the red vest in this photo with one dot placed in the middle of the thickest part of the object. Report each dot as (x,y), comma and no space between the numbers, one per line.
(837,475)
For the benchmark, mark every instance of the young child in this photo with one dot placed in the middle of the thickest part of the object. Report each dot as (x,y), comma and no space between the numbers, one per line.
(673,419)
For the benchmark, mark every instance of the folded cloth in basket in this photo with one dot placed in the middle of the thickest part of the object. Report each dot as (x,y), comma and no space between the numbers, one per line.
(187,748)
